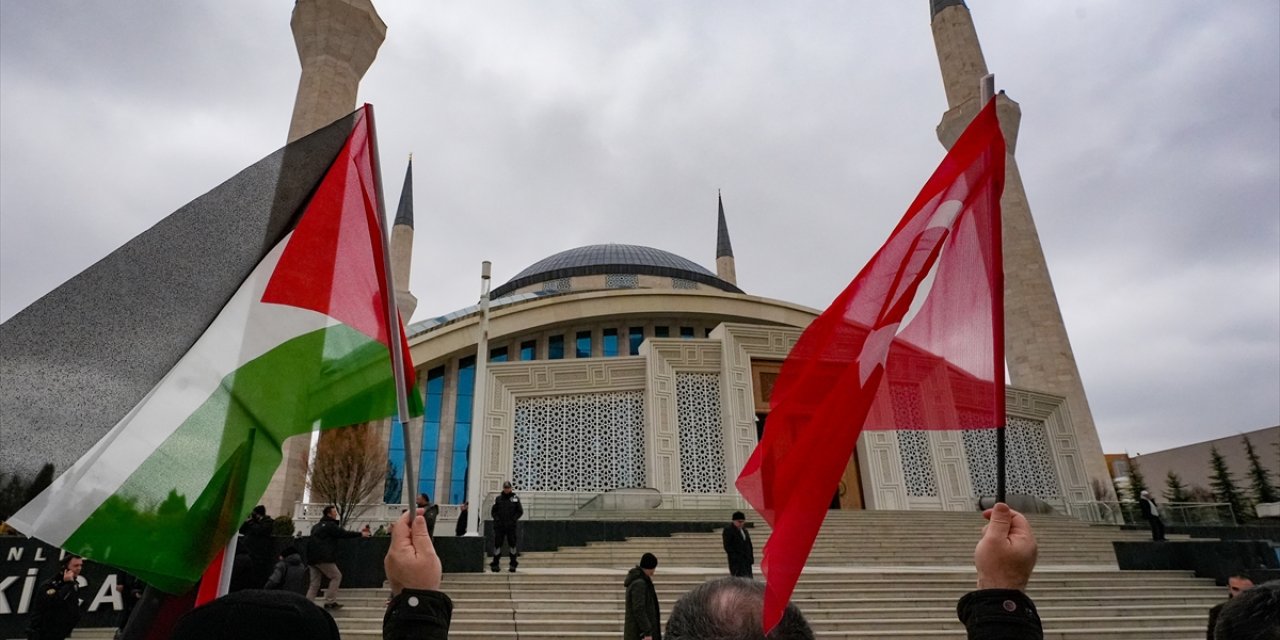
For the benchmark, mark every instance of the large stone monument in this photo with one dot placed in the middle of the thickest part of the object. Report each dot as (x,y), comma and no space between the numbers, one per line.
(1037,349)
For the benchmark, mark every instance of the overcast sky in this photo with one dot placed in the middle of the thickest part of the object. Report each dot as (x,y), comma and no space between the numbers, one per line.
(1150,149)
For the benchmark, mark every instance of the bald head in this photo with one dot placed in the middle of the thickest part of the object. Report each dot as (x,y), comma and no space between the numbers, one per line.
(731,608)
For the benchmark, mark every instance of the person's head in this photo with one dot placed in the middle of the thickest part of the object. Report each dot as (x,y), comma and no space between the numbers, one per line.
(648,563)
(256,614)
(464,505)
(72,563)
(1237,584)
(423,499)
(739,519)
(331,511)
(1145,493)
(1252,615)
(731,608)
(506,487)
(289,551)
(260,511)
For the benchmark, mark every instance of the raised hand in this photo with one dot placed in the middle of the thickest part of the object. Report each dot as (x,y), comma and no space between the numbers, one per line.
(411,560)
(1006,554)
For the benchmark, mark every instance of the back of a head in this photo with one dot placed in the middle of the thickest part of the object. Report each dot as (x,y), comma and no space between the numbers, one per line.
(1252,615)
(256,614)
(731,609)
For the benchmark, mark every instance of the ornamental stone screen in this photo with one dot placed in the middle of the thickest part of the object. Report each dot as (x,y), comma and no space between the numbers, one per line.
(701,435)
(579,442)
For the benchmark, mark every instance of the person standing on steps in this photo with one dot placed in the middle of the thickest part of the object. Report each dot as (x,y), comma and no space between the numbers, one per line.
(506,512)
(1152,513)
(737,545)
(432,511)
(642,619)
(460,529)
(322,553)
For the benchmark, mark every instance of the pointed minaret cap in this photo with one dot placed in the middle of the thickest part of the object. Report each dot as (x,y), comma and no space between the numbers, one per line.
(723,247)
(404,212)
(725,268)
(936,6)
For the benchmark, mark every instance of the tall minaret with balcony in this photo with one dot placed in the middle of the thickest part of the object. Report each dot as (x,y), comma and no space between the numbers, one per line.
(337,41)
(1037,350)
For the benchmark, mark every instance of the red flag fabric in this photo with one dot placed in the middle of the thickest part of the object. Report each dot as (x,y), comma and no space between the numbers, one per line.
(892,352)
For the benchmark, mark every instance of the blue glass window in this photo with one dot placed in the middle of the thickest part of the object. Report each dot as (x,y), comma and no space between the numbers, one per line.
(583,345)
(498,355)
(686,333)
(462,429)
(661,332)
(529,350)
(635,336)
(428,458)
(555,348)
(609,345)
(393,488)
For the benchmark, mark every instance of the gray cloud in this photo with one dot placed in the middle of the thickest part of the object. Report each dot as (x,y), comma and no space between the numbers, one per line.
(1150,148)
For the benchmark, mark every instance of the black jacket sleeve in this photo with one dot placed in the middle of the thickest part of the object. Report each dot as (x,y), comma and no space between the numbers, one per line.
(417,614)
(636,607)
(999,614)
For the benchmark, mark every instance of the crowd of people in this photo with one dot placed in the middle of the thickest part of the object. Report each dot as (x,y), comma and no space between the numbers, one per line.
(731,607)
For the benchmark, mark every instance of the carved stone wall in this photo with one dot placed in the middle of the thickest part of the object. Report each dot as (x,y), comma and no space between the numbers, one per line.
(668,357)
(741,343)
(701,433)
(579,442)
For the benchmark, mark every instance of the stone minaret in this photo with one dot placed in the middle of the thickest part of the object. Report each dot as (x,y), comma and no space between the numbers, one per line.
(337,40)
(725,269)
(402,248)
(1037,349)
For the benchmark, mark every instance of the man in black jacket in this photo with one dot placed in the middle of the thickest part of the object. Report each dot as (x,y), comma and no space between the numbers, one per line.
(1152,513)
(641,618)
(506,511)
(737,545)
(321,553)
(432,511)
(1236,584)
(257,530)
(56,606)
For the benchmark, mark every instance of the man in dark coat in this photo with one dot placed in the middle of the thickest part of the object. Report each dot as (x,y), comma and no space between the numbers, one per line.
(506,511)
(1236,584)
(56,609)
(737,545)
(289,574)
(1152,513)
(460,529)
(321,553)
(642,619)
(257,530)
(431,510)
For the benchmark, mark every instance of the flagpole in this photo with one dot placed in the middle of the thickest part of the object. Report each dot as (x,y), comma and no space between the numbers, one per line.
(478,408)
(393,314)
(987,91)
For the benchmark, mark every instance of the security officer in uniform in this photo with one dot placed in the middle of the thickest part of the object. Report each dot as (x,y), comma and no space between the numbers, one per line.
(57,603)
(506,511)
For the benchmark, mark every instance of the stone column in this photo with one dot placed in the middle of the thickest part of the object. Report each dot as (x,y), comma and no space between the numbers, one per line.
(337,40)
(1037,350)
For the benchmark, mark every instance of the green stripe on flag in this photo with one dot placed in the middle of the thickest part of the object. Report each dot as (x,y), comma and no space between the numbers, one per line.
(180,506)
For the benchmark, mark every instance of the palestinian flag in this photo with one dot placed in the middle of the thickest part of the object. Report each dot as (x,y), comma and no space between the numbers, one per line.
(169,375)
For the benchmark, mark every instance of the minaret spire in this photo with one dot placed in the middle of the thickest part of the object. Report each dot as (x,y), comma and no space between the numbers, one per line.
(725,268)
(402,247)
(1037,350)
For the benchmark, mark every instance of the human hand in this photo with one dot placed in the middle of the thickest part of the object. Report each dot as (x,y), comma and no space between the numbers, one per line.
(1006,554)
(411,560)
(68,575)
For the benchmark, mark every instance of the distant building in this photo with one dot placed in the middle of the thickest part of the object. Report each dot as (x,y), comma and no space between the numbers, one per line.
(1191,462)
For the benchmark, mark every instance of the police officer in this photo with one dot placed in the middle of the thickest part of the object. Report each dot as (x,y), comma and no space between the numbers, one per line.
(57,604)
(506,511)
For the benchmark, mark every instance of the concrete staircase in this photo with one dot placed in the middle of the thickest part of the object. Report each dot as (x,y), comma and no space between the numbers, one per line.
(872,574)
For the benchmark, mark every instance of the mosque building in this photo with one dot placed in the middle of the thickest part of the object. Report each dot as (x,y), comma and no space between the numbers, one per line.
(619,367)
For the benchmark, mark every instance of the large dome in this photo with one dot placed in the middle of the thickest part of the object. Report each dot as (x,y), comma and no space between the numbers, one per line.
(612,259)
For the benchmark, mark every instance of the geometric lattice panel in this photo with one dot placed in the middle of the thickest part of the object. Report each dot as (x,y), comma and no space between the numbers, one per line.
(621,281)
(1028,467)
(681,283)
(701,435)
(917,463)
(579,442)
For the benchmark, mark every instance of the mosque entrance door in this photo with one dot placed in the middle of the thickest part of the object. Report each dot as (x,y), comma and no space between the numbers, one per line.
(848,494)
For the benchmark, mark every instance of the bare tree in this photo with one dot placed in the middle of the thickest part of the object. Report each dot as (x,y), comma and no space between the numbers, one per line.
(349,470)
